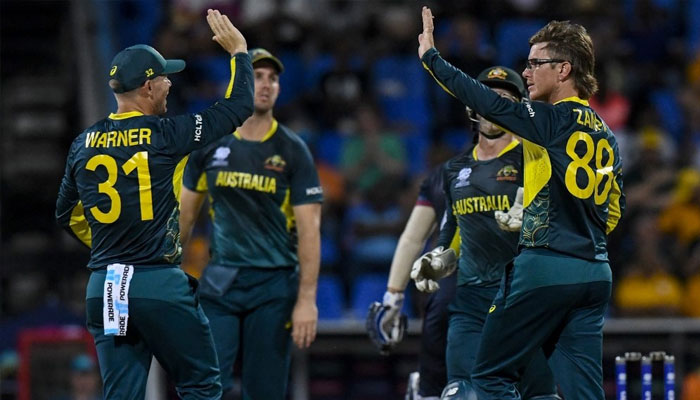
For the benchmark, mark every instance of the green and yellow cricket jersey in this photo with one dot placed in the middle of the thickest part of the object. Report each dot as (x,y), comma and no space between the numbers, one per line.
(572,170)
(474,189)
(253,187)
(121,188)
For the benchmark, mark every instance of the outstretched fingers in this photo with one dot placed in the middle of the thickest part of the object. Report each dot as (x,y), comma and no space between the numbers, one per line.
(427,20)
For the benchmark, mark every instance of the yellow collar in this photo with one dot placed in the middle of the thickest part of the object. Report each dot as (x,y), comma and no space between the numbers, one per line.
(575,99)
(268,134)
(514,143)
(125,115)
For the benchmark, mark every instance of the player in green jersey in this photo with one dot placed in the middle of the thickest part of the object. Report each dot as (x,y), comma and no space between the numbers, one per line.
(481,186)
(119,196)
(555,293)
(260,285)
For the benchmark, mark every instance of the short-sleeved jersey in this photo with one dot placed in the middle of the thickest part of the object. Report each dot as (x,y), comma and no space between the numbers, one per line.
(431,192)
(253,187)
(120,191)
(474,190)
(572,169)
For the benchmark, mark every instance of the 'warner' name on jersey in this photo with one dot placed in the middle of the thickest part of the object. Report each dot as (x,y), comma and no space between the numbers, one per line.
(121,187)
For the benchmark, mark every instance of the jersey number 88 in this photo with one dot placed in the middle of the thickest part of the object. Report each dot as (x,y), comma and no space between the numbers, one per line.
(595,176)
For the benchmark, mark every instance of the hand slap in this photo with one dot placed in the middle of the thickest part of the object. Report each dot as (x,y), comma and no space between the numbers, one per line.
(425,39)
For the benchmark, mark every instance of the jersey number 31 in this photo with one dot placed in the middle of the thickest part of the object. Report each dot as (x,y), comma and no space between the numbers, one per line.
(139,162)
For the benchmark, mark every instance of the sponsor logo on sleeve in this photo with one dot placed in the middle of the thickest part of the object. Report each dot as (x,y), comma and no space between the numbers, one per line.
(197,127)
(530,110)
(314,190)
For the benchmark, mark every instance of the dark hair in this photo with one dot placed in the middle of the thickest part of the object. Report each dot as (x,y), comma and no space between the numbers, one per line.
(572,43)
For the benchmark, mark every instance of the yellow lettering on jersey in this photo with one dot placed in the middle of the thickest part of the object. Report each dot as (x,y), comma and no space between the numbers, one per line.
(471,205)
(244,180)
(589,119)
(131,137)
(90,139)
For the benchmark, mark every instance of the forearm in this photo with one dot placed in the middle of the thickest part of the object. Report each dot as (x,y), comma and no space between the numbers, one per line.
(420,225)
(237,105)
(308,218)
(407,251)
(530,121)
(190,204)
(309,254)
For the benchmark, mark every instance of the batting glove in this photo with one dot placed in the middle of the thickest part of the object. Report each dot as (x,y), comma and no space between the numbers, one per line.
(385,323)
(512,220)
(432,266)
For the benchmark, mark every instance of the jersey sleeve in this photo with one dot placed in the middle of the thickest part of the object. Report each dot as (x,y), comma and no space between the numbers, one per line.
(194,177)
(304,183)
(187,132)
(424,197)
(69,210)
(533,121)
(448,225)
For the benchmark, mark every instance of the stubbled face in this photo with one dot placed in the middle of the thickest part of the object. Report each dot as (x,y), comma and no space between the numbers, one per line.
(160,87)
(267,88)
(542,79)
(487,128)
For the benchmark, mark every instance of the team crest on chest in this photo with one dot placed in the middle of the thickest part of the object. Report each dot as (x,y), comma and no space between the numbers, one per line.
(221,157)
(275,163)
(463,177)
(507,173)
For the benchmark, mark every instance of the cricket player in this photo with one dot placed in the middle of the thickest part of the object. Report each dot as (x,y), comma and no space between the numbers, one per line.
(259,289)
(483,190)
(555,292)
(385,323)
(119,196)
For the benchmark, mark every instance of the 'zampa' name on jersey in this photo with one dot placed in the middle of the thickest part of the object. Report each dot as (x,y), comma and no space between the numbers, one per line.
(481,204)
(129,137)
(244,180)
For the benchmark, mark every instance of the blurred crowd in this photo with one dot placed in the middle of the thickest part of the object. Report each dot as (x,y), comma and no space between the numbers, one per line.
(355,91)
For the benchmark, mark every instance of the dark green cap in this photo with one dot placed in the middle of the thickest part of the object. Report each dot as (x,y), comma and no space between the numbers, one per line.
(260,54)
(134,65)
(504,78)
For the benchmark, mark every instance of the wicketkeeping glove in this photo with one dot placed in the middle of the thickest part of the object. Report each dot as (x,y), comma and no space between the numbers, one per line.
(512,220)
(385,323)
(432,266)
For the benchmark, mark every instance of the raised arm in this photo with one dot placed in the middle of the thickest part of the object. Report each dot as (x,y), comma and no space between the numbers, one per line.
(531,121)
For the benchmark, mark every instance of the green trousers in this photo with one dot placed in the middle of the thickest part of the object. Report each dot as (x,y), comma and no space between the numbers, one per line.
(468,313)
(552,303)
(250,316)
(165,321)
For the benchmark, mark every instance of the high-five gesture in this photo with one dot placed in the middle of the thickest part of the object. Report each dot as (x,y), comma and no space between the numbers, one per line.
(225,34)
(425,39)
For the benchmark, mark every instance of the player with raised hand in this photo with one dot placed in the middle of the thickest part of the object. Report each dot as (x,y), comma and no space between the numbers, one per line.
(259,288)
(120,195)
(481,188)
(555,293)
